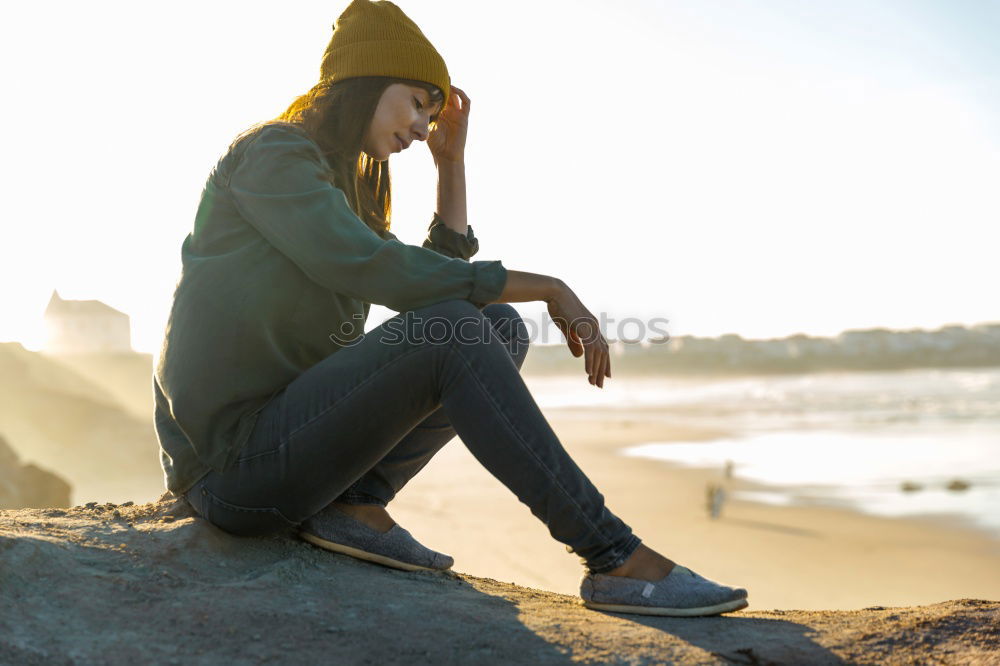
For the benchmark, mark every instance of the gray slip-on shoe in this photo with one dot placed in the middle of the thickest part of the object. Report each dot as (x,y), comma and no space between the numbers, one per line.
(682,593)
(336,531)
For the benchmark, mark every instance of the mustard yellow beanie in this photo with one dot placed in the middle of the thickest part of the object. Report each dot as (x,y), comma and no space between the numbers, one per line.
(378,39)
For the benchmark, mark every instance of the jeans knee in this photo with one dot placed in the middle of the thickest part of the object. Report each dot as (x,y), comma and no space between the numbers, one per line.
(462,322)
(502,312)
(455,309)
(448,322)
(507,322)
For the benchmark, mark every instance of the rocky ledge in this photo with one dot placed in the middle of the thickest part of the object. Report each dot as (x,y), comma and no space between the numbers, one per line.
(125,584)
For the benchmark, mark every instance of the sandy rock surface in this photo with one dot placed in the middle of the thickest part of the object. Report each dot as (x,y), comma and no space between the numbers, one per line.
(125,584)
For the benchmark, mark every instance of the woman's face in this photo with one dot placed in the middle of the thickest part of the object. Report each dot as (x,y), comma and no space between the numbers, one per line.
(402,116)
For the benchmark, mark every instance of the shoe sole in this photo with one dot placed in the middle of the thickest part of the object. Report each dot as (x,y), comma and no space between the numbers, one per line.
(726,607)
(363,554)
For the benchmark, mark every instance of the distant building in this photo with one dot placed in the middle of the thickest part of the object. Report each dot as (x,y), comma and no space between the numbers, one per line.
(85,327)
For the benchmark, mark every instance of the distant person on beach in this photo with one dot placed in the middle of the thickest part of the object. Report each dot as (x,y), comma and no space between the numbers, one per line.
(715,496)
(276,412)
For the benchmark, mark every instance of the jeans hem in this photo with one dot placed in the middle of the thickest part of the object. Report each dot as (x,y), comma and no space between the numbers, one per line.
(630,547)
(359,497)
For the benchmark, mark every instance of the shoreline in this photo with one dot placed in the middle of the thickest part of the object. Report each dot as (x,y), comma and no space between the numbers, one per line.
(691,431)
(947,521)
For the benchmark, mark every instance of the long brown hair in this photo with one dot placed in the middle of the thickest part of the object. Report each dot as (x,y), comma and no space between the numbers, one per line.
(337,116)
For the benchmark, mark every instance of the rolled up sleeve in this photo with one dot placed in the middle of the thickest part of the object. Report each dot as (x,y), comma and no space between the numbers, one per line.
(279,187)
(444,240)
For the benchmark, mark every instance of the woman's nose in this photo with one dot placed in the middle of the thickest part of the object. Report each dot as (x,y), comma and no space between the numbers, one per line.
(420,132)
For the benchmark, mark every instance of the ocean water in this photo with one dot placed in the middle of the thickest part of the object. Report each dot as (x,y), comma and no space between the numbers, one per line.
(848,439)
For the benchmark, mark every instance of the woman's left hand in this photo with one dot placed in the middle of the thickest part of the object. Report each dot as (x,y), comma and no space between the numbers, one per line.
(447,139)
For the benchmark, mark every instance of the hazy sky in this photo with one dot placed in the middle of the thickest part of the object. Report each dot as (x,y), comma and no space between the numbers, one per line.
(761,168)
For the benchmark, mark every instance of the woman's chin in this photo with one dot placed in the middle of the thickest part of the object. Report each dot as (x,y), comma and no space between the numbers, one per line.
(378,157)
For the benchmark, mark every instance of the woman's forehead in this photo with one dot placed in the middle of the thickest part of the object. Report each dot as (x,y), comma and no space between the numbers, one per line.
(414,88)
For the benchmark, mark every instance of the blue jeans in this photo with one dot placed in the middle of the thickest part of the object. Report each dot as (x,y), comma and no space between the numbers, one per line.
(358,425)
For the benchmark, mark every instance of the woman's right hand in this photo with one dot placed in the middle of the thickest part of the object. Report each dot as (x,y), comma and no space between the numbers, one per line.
(583,333)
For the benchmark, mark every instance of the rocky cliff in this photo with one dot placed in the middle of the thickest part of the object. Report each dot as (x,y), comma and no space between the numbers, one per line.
(62,421)
(26,485)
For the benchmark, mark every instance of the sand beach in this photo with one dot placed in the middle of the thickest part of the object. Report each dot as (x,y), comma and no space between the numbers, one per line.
(788,557)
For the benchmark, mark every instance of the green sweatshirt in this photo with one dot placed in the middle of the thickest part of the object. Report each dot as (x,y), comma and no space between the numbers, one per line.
(277,270)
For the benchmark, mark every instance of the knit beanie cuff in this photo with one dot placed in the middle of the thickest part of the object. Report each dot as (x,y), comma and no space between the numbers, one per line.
(382,58)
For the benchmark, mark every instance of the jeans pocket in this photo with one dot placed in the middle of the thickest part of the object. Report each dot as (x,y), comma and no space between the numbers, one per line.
(239,520)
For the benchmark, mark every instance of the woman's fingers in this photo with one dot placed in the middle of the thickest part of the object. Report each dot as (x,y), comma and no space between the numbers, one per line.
(576,348)
(602,361)
(598,363)
(596,352)
(595,361)
(466,102)
(599,367)
(461,93)
(587,338)
(583,335)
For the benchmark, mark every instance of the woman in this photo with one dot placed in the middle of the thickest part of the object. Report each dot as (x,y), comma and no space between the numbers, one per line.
(275,411)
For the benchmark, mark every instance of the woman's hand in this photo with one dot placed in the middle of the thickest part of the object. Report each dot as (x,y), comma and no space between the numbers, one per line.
(447,139)
(583,334)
